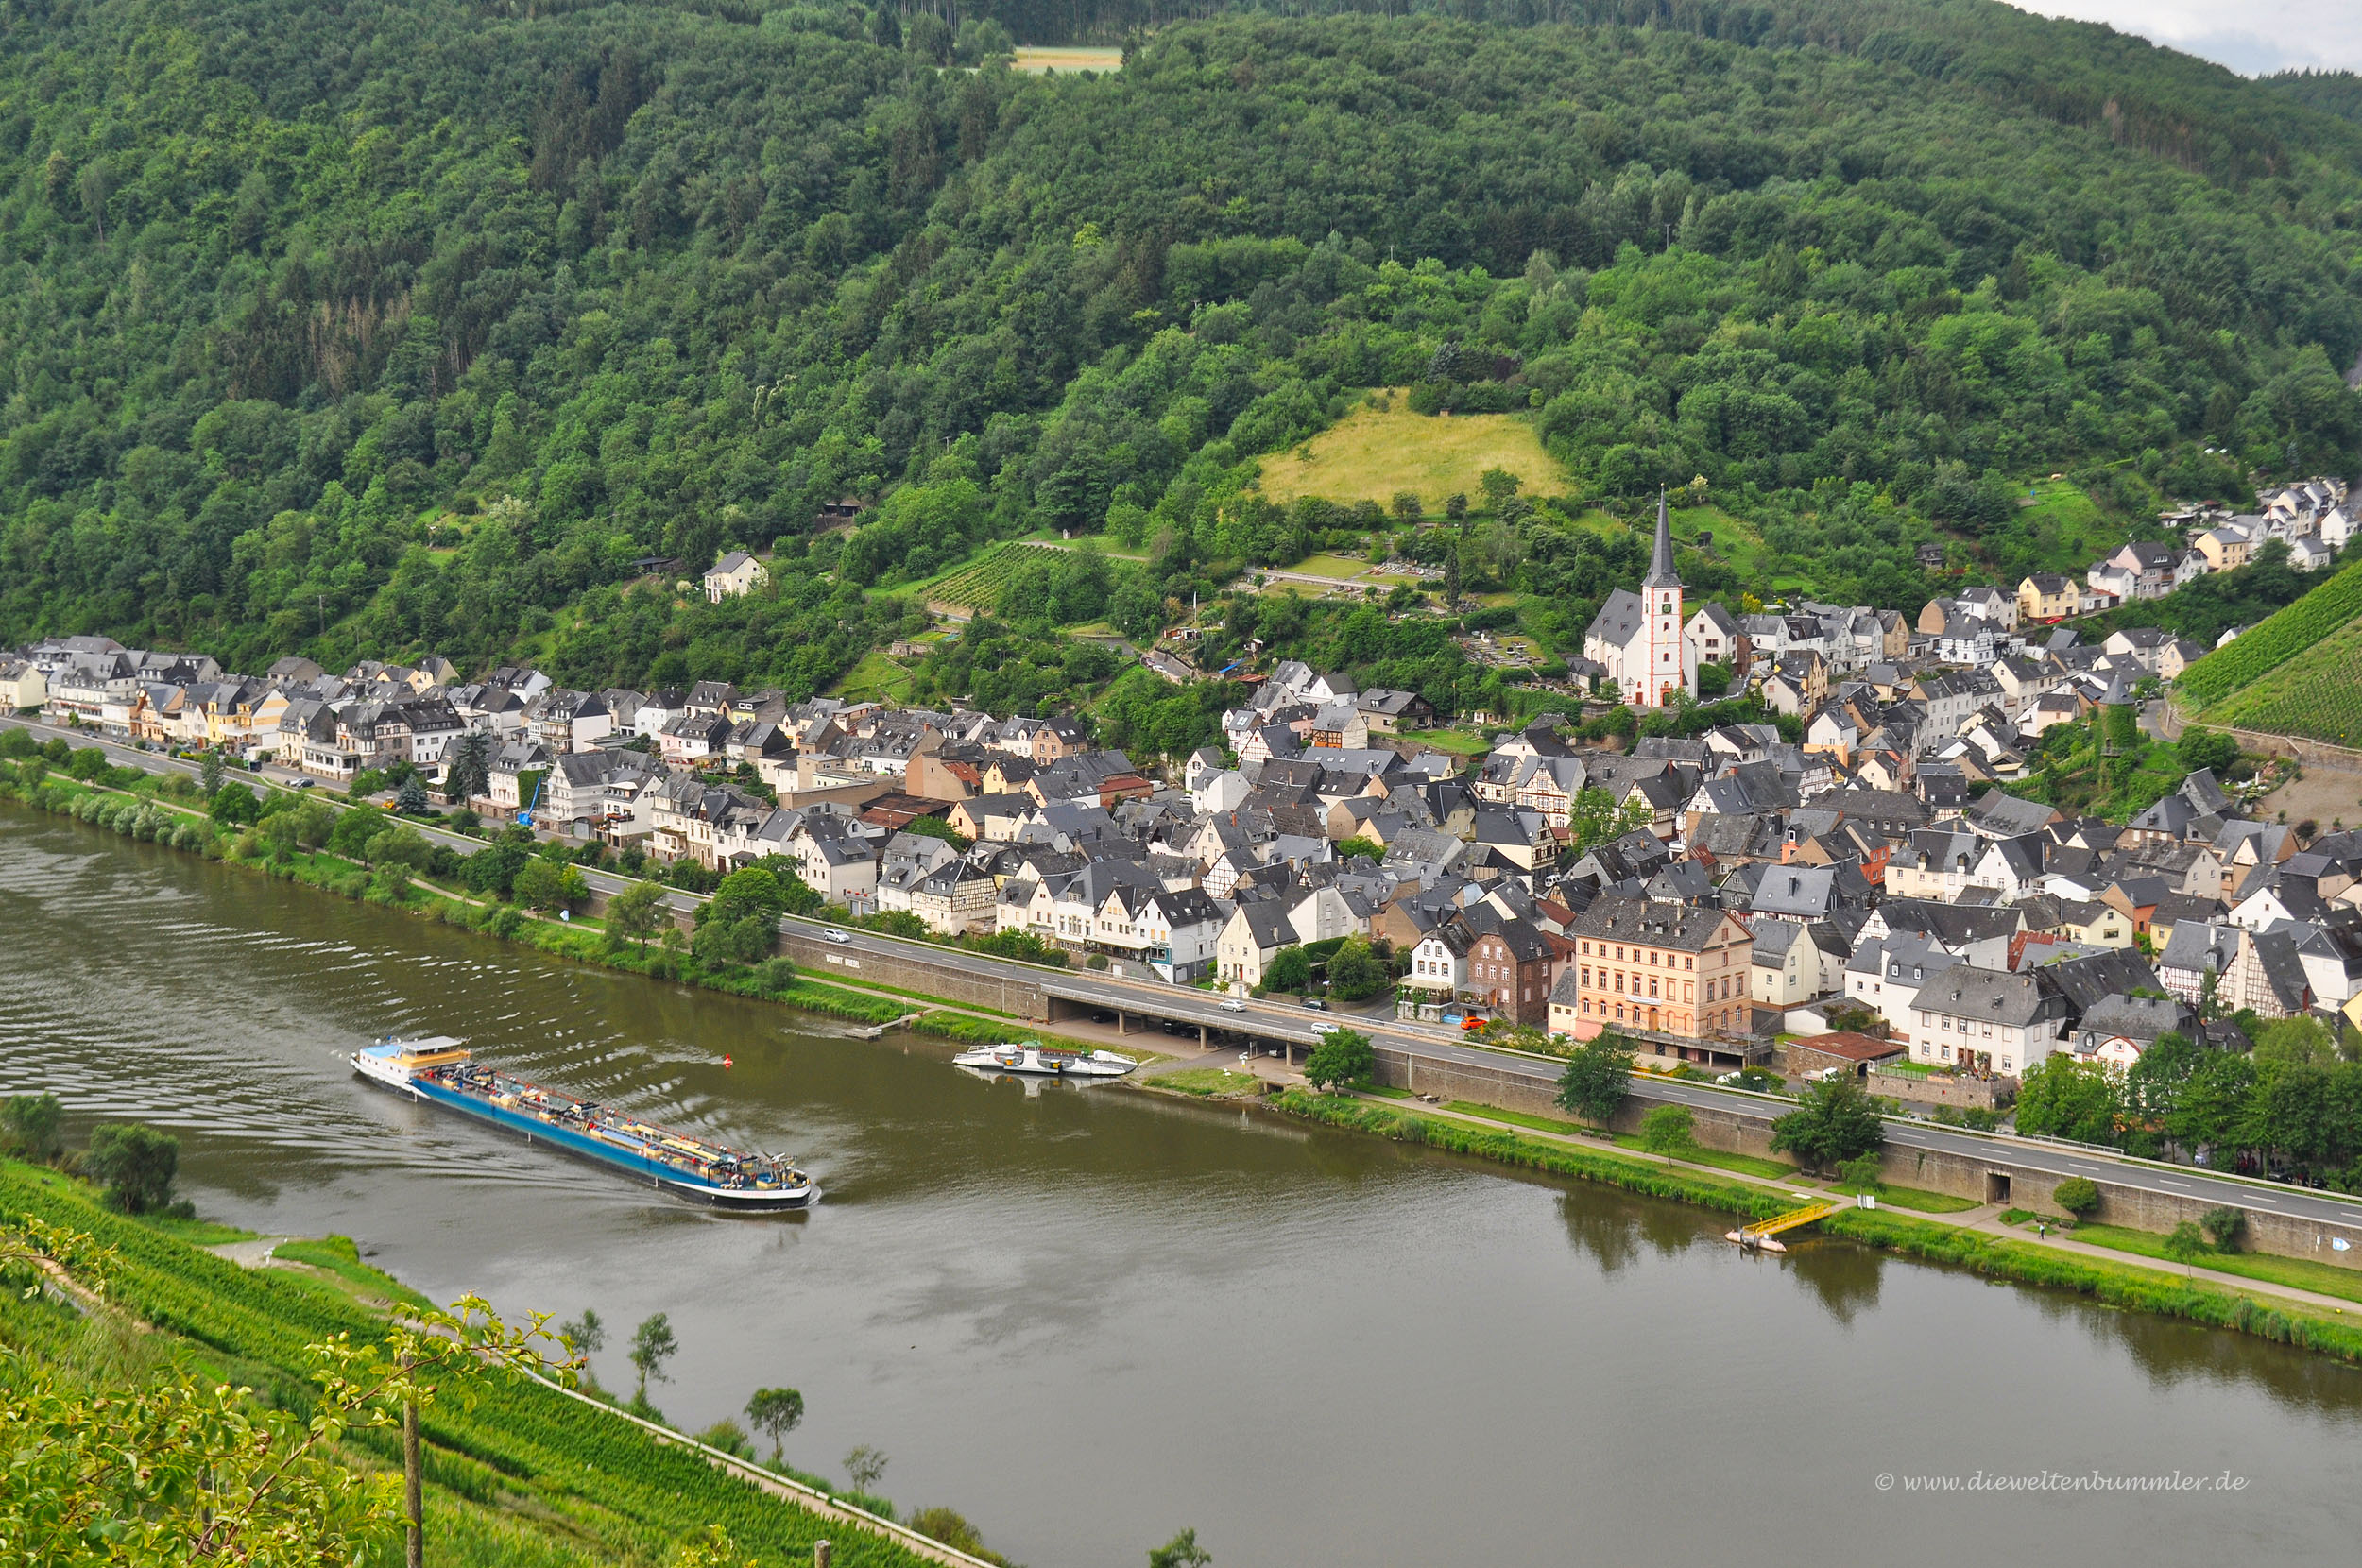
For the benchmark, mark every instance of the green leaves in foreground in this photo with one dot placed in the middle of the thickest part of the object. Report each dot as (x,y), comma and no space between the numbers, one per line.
(174,1467)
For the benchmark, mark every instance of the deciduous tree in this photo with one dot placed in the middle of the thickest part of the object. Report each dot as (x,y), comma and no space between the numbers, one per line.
(652,1345)
(1342,1056)
(1834,1121)
(136,1164)
(776,1413)
(632,914)
(1598,1076)
(1668,1130)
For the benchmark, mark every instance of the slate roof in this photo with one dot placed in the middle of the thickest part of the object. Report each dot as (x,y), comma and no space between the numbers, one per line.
(1681,925)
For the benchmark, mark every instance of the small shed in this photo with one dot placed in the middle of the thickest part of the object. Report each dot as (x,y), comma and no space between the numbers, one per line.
(1857,1053)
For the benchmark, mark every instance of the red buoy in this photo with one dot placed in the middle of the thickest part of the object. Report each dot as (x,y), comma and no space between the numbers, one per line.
(725,1061)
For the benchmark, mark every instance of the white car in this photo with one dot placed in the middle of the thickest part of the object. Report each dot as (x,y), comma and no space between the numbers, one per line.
(832,935)
(1231,1004)
(1325,1028)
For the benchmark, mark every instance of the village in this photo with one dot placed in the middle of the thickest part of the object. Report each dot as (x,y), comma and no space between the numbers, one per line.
(1855,891)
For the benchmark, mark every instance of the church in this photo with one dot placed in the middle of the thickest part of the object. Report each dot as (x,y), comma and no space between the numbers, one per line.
(1637,637)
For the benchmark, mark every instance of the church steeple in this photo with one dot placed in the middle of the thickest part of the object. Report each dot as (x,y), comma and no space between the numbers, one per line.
(1661,573)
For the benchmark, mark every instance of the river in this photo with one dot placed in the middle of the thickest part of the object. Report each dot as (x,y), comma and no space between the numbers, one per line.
(1088,1318)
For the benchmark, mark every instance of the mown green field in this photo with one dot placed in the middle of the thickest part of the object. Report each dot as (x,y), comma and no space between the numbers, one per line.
(1373,454)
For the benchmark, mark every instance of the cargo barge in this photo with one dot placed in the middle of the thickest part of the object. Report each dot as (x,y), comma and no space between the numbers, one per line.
(440,1069)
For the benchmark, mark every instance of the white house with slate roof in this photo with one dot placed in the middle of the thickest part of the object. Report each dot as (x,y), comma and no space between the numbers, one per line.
(733,575)
(1638,638)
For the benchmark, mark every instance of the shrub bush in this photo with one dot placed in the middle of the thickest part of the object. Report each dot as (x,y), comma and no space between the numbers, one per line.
(2078,1196)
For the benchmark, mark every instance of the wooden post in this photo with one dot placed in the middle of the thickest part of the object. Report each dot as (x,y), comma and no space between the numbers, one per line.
(819,1553)
(413,1488)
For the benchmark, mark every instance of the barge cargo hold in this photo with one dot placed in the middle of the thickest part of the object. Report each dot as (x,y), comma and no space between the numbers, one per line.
(441,1071)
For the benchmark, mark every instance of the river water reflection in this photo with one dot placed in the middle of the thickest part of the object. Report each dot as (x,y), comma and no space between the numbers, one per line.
(1085,1319)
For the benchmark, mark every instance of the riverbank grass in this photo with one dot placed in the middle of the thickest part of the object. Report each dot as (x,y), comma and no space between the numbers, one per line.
(1525,1119)
(1722,1159)
(1744,1164)
(2297,1274)
(1909,1198)
(1207,1082)
(196,1233)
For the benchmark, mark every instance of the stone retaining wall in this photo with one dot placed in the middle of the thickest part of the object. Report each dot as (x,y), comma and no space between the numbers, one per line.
(1984,1094)
(1016,995)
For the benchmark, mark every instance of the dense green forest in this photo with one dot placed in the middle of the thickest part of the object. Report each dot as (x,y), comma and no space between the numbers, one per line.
(371,328)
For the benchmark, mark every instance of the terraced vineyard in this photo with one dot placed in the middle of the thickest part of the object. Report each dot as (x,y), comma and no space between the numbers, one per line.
(2317,693)
(546,1479)
(977,585)
(2276,641)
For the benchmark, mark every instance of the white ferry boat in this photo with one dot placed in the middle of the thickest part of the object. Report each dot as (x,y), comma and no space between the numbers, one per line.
(1033,1057)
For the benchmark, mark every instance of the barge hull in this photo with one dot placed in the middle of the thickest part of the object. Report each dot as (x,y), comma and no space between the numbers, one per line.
(643,1168)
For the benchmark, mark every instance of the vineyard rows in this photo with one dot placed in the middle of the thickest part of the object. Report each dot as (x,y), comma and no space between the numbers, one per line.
(978,585)
(604,1474)
(2273,642)
(2317,695)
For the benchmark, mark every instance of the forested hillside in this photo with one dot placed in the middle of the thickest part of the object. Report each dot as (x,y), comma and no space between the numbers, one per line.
(373,328)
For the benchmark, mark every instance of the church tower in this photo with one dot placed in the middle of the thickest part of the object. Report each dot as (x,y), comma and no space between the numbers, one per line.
(1669,666)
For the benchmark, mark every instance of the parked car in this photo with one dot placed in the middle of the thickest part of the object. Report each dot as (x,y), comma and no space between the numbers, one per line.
(1315,1003)
(832,935)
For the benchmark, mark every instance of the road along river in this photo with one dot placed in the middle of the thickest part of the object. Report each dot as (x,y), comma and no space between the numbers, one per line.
(1087,1318)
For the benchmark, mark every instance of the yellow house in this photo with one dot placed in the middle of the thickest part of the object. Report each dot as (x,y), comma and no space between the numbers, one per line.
(2224,548)
(2046,596)
(2100,923)
(235,720)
